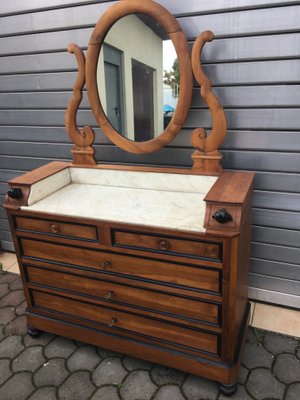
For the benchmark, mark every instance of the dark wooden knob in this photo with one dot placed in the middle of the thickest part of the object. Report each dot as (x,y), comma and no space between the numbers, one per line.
(54,228)
(113,322)
(163,245)
(109,295)
(106,264)
(222,216)
(15,193)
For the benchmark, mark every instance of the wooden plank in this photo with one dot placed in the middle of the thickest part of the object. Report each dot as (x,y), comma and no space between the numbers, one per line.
(38,100)
(283,237)
(7,246)
(277,181)
(49,81)
(43,150)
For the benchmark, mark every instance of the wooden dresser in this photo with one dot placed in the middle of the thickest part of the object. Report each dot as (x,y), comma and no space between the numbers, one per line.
(148,261)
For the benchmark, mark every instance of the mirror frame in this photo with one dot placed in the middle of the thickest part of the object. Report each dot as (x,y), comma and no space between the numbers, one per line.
(175,33)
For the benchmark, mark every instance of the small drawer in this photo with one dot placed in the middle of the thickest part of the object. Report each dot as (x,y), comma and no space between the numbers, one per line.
(201,249)
(58,228)
(199,278)
(234,216)
(142,300)
(118,320)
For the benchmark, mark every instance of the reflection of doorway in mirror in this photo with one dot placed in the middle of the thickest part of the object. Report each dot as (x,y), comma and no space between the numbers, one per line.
(114,89)
(143,101)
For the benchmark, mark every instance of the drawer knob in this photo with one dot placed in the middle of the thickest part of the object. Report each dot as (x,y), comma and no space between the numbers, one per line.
(113,321)
(109,295)
(222,216)
(15,193)
(106,264)
(163,245)
(54,228)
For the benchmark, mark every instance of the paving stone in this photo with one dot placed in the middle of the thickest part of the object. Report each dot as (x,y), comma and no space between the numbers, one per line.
(255,356)
(7,314)
(262,384)
(240,394)
(17,327)
(196,388)
(1,332)
(4,289)
(5,371)
(109,372)
(18,387)
(106,393)
(163,375)
(44,393)
(29,360)
(21,309)
(52,373)
(10,347)
(287,368)
(132,363)
(243,375)
(78,386)
(293,392)
(13,298)
(138,386)
(16,284)
(42,340)
(104,353)
(60,347)
(255,335)
(169,392)
(84,358)
(7,277)
(277,344)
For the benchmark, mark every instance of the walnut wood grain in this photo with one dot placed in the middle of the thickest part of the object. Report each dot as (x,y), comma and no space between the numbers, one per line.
(182,275)
(173,29)
(207,157)
(124,297)
(116,319)
(83,152)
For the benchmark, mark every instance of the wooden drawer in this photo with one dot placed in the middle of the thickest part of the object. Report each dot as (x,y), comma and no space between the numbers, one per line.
(57,228)
(118,320)
(114,264)
(170,245)
(119,295)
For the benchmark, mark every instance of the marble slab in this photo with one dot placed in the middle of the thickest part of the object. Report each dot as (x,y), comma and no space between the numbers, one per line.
(171,201)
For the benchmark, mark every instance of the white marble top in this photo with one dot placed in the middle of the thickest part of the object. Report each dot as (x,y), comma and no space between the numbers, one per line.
(154,199)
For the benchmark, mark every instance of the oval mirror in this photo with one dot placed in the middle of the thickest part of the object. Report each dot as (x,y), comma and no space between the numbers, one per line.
(139,78)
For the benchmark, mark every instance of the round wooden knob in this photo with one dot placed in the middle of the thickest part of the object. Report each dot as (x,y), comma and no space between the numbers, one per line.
(106,264)
(109,295)
(113,322)
(54,228)
(163,245)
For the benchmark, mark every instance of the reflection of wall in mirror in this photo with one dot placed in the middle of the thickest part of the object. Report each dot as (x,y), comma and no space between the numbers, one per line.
(137,42)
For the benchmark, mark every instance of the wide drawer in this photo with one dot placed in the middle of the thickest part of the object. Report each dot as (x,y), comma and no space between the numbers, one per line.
(57,228)
(117,320)
(201,249)
(144,300)
(136,267)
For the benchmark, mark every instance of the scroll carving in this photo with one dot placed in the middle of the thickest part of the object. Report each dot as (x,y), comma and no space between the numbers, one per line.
(83,152)
(206,157)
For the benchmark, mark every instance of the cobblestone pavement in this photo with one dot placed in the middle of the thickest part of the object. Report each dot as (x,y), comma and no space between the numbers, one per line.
(52,367)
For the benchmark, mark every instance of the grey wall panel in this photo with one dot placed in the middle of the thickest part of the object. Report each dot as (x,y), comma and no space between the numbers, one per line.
(283,237)
(262,160)
(276,219)
(255,69)
(273,268)
(253,96)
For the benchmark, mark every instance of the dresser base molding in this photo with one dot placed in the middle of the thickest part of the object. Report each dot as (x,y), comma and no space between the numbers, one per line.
(226,375)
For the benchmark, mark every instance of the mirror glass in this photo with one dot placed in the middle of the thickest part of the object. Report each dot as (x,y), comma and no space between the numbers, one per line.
(138,77)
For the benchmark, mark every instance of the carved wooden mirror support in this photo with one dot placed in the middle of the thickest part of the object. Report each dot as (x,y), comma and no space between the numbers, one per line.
(206,157)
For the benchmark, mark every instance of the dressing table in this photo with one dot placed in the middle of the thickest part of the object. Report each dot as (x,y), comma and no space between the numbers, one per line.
(148,261)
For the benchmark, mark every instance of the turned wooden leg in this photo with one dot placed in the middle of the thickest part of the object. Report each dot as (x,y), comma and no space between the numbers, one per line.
(34,333)
(227,389)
